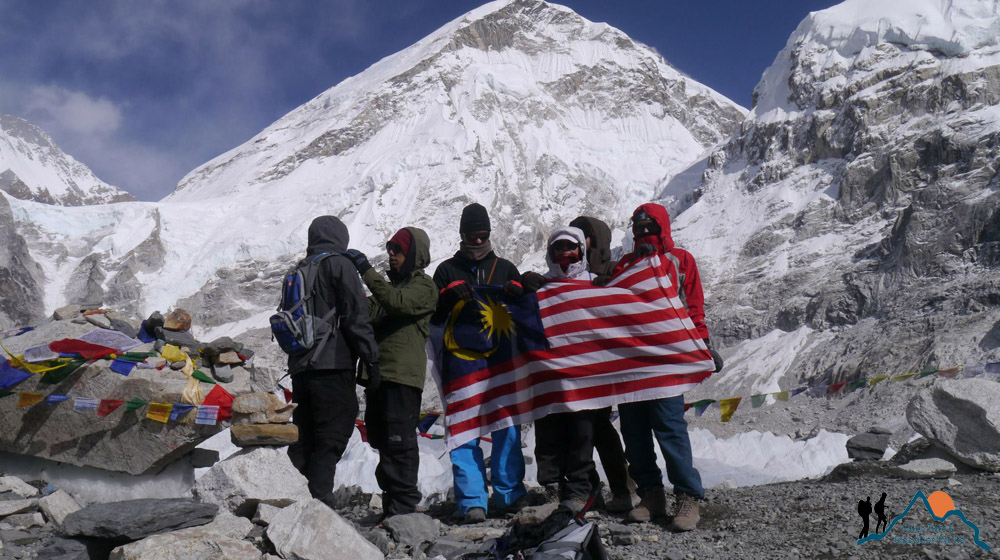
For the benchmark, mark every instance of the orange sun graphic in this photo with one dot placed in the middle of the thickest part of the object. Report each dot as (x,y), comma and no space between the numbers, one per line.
(940,503)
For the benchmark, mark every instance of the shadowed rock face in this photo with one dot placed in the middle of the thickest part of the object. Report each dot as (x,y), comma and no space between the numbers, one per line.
(893,263)
(20,276)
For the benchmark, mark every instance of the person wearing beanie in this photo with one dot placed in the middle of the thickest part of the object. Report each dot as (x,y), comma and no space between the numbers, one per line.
(323,379)
(474,264)
(400,311)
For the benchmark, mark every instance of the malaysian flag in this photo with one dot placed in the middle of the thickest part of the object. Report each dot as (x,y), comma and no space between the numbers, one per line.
(572,346)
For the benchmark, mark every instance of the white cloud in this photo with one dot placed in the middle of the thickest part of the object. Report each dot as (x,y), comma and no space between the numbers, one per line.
(73,111)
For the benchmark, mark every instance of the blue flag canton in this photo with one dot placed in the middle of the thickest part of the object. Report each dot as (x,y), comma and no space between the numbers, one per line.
(490,329)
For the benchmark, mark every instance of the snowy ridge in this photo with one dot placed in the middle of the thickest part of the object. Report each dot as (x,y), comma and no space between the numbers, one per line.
(33,167)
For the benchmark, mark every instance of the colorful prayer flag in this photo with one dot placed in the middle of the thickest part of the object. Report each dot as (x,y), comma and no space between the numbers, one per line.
(201,376)
(798,390)
(832,389)
(55,398)
(172,354)
(220,397)
(179,410)
(780,396)
(425,423)
(85,349)
(121,366)
(9,376)
(288,395)
(950,373)
(28,399)
(728,407)
(207,415)
(108,406)
(159,412)
(362,429)
(757,400)
(59,374)
(857,384)
(81,404)
(876,380)
(701,406)
(570,346)
(928,370)
(134,404)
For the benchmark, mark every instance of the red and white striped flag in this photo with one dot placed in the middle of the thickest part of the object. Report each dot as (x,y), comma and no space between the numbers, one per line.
(629,341)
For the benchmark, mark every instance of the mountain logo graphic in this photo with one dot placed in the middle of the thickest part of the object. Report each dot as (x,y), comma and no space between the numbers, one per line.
(941,507)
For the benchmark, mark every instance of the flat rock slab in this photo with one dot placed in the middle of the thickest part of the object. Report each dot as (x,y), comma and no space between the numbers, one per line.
(57,505)
(926,468)
(260,475)
(413,529)
(17,486)
(963,417)
(221,539)
(310,530)
(136,519)
(10,507)
(248,435)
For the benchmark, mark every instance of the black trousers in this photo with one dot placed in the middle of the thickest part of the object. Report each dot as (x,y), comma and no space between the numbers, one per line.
(325,417)
(564,451)
(609,446)
(391,418)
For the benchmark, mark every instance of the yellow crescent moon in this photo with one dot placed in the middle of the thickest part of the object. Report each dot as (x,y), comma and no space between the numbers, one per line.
(452,345)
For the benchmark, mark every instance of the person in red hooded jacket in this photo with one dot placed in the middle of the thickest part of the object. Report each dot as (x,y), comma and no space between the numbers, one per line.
(664,418)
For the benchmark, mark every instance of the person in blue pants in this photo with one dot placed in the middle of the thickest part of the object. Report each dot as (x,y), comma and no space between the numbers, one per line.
(475,263)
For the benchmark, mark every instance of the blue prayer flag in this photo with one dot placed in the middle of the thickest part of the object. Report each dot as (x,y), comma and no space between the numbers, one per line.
(55,398)
(179,410)
(9,375)
(121,366)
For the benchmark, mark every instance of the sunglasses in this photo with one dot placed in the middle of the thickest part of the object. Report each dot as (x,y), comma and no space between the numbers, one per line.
(476,236)
(561,246)
(393,249)
(645,227)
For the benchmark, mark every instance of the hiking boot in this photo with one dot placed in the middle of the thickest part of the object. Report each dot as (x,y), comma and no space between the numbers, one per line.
(552,492)
(652,505)
(687,513)
(621,503)
(575,505)
(474,515)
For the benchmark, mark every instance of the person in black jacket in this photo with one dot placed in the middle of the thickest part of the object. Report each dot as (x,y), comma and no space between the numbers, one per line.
(323,379)
(475,263)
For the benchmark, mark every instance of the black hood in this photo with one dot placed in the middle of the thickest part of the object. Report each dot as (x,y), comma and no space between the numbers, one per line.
(599,255)
(327,233)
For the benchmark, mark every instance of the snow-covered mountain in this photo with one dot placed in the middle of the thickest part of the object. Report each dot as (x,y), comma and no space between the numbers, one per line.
(32,167)
(852,227)
(523,106)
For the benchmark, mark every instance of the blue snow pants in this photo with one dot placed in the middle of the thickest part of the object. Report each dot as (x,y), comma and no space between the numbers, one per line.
(506,467)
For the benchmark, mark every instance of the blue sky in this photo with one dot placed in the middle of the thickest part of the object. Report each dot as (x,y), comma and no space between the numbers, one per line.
(145,91)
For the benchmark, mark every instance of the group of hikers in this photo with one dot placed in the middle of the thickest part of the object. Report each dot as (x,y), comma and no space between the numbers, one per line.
(385,334)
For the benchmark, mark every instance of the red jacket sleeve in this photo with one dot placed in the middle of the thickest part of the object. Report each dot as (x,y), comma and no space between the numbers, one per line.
(692,290)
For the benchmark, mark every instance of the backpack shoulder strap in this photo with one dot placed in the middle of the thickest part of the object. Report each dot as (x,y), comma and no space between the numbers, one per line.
(680,276)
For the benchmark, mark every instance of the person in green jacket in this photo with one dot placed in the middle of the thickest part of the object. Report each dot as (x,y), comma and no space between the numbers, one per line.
(400,310)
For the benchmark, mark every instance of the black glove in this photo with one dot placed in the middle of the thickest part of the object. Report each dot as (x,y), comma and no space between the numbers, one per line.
(644,250)
(459,289)
(374,375)
(717,358)
(360,260)
(532,281)
(513,289)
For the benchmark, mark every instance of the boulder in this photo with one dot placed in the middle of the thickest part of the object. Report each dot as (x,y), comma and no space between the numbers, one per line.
(125,327)
(57,505)
(229,358)
(99,320)
(17,486)
(926,468)
(963,417)
(309,530)
(223,374)
(261,408)
(66,312)
(251,477)
(868,446)
(64,549)
(247,435)
(413,529)
(24,521)
(177,320)
(202,457)
(265,513)
(10,507)
(136,519)
(221,539)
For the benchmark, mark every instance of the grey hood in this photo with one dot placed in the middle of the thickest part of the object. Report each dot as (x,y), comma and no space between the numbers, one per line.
(575,271)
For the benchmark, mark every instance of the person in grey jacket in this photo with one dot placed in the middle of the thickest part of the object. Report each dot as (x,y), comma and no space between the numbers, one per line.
(323,379)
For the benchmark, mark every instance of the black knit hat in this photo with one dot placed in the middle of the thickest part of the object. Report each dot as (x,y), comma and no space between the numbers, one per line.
(474,218)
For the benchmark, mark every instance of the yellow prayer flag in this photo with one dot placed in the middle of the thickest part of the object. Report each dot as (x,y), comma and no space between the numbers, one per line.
(904,376)
(28,399)
(728,407)
(172,353)
(192,392)
(875,380)
(160,412)
(780,396)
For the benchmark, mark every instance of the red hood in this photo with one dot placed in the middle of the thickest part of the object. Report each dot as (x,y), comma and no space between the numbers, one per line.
(661,217)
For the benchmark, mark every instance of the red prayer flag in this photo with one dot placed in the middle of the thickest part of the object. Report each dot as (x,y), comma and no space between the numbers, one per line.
(221,398)
(108,406)
(360,424)
(87,350)
(835,387)
(288,395)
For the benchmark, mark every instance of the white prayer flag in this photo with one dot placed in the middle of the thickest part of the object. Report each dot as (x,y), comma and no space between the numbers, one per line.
(208,414)
(84,403)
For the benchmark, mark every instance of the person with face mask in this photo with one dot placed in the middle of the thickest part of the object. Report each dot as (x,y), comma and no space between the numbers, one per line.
(475,263)
(400,311)
(663,419)
(564,441)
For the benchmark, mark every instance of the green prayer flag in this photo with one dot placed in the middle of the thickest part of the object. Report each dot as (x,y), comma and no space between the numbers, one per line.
(60,375)
(6,393)
(928,370)
(201,376)
(757,400)
(134,404)
(853,385)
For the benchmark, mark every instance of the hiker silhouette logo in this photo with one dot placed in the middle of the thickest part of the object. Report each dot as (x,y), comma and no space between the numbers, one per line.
(940,531)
